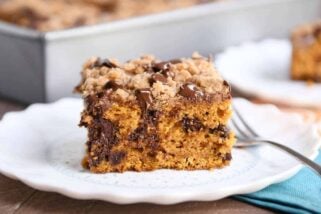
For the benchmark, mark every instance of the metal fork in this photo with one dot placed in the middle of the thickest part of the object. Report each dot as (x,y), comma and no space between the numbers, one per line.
(247,137)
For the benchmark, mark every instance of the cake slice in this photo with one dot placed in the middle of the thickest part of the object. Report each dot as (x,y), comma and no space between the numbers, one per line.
(49,15)
(306,55)
(148,114)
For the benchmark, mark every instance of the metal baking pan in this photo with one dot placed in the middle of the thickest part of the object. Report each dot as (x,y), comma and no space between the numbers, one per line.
(42,67)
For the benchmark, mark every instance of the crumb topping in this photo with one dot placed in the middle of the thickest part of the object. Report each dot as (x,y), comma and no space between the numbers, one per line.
(165,79)
(50,14)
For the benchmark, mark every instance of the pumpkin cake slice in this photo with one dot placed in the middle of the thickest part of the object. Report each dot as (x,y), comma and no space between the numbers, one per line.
(148,114)
(306,53)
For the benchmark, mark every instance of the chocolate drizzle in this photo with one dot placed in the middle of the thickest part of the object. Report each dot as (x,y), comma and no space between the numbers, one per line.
(190,91)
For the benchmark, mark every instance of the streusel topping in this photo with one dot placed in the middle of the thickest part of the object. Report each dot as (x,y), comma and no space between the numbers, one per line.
(165,79)
(50,15)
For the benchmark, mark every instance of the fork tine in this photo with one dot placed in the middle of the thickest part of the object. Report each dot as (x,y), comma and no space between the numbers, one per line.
(238,128)
(244,123)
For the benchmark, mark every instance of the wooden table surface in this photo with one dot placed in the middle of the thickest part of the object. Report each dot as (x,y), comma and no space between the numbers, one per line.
(16,197)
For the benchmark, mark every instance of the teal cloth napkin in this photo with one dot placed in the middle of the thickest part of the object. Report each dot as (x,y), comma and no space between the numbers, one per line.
(299,194)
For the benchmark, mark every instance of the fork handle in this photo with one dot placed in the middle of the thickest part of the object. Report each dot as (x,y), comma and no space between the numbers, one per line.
(316,167)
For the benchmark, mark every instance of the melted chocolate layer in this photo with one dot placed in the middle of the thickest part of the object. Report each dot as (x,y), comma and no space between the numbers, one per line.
(102,137)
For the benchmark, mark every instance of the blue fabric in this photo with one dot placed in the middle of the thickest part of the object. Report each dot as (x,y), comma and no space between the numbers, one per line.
(299,194)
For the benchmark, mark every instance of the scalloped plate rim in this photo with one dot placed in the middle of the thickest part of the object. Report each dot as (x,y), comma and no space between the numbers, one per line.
(161,198)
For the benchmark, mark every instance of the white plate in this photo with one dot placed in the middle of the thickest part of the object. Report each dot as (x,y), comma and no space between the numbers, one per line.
(43,146)
(262,69)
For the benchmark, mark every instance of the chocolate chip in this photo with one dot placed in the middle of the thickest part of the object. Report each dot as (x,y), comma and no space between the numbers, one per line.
(108,63)
(111,85)
(91,102)
(97,103)
(165,67)
(190,91)
(108,132)
(168,73)
(157,77)
(221,130)
(161,66)
(152,116)
(191,124)
(227,157)
(103,63)
(100,94)
(116,157)
(144,98)
(225,83)
(139,133)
